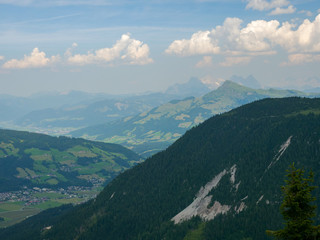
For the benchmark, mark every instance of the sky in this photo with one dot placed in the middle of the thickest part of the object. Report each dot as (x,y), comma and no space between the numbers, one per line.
(135,46)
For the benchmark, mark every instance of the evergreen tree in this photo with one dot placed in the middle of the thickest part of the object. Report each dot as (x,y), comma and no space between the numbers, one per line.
(297,208)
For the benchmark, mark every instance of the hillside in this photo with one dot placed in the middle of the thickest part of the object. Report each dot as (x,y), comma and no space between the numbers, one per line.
(59,113)
(39,172)
(154,130)
(70,116)
(221,180)
(37,160)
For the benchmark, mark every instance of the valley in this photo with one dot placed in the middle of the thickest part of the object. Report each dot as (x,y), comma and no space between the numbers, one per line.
(221,180)
(60,113)
(15,206)
(152,131)
(46,172)
(40,172)
(159,120)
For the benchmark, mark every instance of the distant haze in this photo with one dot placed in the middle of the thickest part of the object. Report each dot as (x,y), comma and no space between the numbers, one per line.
(121,47)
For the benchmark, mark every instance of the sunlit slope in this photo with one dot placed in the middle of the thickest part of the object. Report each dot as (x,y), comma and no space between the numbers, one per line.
(154,130)
(87,113)
(221,180)
(37,160)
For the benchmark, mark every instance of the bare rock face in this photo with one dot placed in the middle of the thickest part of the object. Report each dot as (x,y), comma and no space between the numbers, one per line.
(199,207)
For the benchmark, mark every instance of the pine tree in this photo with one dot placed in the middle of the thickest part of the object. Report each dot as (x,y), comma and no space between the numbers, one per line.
(297,208)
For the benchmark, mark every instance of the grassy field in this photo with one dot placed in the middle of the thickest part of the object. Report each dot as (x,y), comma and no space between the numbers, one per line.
(13,217)
(48,204)
(5,207)
(14,212)
(50,195)
(195,234)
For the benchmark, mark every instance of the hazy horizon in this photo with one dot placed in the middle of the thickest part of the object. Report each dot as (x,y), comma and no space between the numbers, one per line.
(137,93)
(124,47)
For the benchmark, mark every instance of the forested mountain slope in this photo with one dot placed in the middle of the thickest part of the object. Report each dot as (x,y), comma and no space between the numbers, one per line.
(154,130)
(221,180)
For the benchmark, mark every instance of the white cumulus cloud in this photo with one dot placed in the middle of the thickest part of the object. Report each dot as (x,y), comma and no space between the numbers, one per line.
(306,38)
(1,58)
(36,59)
(200,43)
(258,37)
(229,38)
(124,51)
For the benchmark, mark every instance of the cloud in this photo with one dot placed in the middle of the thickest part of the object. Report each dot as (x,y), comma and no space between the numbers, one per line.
(228,38)
(277,6)
(263,5)
(258,37)
(306,38)
(278,11)
(205,62)
(1,58)
(125,51)
(36,59)
(308,13)
(200,43)
(301,58)
(69,51)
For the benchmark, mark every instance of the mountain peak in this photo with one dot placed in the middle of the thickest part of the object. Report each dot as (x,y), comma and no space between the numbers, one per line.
(194,87)
(249,81)
(228,87)
(229,83)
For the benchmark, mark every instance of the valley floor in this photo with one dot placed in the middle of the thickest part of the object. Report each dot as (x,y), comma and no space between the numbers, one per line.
(18,205)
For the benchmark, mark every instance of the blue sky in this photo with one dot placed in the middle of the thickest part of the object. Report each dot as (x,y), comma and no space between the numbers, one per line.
(136,46)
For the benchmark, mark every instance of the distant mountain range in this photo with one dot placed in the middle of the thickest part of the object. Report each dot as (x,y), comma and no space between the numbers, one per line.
(154,130)
(221,181)
(84,114)
(249,81)
(193,88)
(313,90)
(58,113)
(12,107)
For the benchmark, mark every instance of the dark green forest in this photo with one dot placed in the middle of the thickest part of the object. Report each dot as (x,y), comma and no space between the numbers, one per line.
(260,140)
